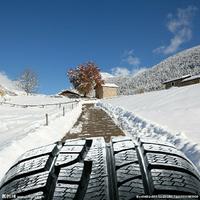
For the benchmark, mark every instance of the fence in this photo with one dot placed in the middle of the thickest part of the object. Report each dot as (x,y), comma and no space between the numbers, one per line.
(62,106)
(39,105)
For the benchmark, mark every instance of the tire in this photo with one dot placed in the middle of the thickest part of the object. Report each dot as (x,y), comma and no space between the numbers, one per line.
(92,169)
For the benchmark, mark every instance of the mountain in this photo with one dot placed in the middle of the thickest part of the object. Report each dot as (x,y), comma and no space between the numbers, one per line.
(183,63)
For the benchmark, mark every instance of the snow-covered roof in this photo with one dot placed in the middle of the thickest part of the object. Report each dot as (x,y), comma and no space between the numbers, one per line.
(68,91)
(192,78)
(179,78)
(110,85)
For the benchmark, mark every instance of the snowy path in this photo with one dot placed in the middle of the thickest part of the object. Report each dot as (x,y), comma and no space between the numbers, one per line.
(94,122)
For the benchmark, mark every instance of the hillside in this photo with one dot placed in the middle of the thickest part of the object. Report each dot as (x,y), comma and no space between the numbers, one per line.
(183,63)
(169,115)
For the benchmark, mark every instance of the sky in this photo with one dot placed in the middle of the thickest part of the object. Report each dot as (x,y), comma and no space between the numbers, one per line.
(121,37)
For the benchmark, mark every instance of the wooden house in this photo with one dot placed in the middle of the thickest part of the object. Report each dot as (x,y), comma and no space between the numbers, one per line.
(191,80)
(182,81)
(69,94)
(175,82)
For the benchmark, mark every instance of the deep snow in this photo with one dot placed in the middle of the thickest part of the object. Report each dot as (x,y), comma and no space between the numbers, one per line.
(23,128)
(169,115)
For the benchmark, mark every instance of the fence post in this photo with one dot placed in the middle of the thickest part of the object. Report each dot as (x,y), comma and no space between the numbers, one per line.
(60,105)
(63,111)
(47,121)
(72,106)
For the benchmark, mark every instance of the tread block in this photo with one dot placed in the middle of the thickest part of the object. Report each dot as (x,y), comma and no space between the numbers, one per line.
(128,172)
(168,180)
(120,139)
(170,161)
(49,149)
(155,141)
(125,157)
(131,189)
(33,196)
(26,184)
(65,191)
(123,145)
(71,149)
(28,166)
(71,173)
(65,159)
(75,142)
(162,149)
(70,153)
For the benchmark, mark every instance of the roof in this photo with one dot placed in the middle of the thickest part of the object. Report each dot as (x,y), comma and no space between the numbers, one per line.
(176,79)
(110,85)
(68,91)
(192,78)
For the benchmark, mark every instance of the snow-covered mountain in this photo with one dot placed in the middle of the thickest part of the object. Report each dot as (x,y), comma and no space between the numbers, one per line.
(183,63)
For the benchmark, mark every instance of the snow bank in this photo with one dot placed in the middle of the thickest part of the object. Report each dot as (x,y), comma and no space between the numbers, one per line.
(175,109)
(38,137)
(134,126)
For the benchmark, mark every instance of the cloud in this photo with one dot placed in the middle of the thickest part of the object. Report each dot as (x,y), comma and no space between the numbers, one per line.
(6,82)
(106,75)
(120,71)
(123,71)
(130,58)
(180,26)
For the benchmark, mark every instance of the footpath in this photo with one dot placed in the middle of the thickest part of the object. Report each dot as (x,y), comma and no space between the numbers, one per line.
(94,122)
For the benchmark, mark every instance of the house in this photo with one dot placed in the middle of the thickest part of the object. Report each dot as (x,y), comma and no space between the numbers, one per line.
(182,81)
(70,94)
(2,93)
(106,90)
(175,82)
(191,80)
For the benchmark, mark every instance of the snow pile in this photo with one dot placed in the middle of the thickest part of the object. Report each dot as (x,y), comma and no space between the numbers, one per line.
(23,128)
(169,115)
(135,126)
(183,63)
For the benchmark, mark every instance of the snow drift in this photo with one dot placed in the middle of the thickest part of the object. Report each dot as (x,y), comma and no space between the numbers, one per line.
(135,126)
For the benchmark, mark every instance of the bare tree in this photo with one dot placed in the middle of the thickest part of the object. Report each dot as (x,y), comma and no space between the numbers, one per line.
(28,81)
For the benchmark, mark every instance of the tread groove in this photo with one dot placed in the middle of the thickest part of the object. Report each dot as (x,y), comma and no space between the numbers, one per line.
(112,182)
(144,170)
(82,188)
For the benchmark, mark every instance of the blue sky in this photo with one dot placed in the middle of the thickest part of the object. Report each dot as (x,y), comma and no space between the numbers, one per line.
(120,36)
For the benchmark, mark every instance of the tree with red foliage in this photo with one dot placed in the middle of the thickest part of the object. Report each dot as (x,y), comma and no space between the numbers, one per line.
(85,77)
